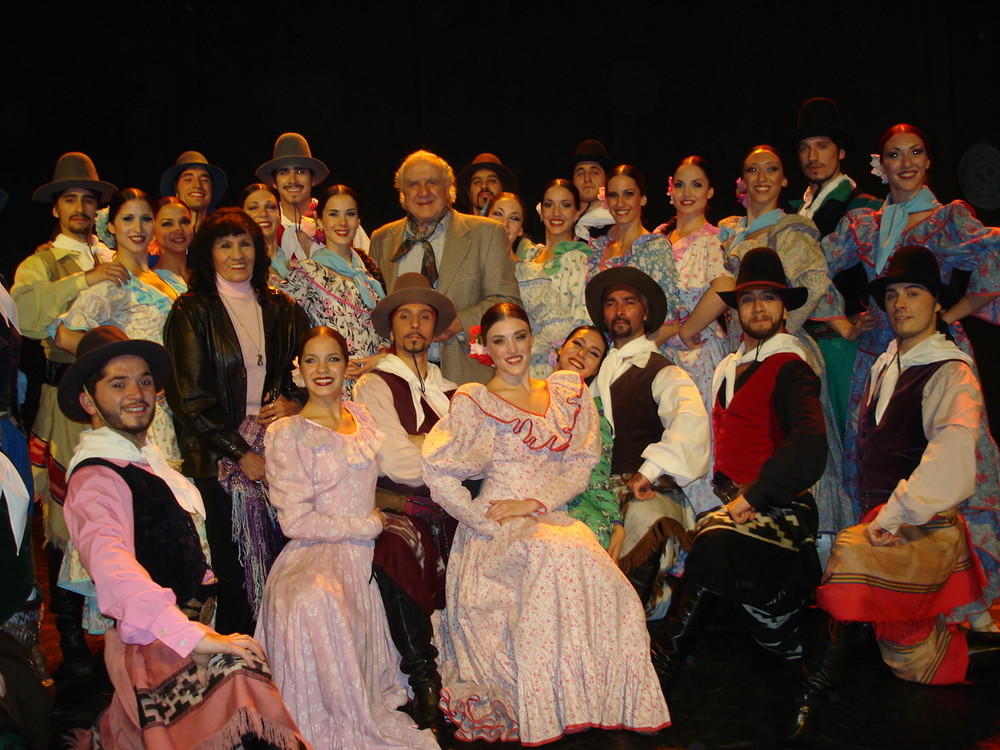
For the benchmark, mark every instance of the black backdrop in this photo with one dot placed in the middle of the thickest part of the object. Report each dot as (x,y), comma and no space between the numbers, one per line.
(135,84)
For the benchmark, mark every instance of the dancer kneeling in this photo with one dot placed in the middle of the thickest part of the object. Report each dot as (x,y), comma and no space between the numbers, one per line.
(542,634)
(177,682)
(759,549)
(909,564)
(322,619)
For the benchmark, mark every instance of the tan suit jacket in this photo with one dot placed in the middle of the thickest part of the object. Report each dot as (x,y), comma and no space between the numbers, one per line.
(476,272)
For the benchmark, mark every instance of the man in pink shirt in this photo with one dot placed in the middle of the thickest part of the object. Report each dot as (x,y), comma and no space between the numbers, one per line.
(134,522)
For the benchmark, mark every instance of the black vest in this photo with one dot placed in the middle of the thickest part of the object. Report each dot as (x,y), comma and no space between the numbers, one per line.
(891,450)
(637,423)
(166,541)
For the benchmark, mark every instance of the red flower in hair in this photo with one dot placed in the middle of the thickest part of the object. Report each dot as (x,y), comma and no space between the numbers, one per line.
(477,349)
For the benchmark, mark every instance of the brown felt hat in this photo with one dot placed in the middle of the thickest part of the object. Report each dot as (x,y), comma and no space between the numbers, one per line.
(292,150)
(412,287)
(98,347)
(74,170)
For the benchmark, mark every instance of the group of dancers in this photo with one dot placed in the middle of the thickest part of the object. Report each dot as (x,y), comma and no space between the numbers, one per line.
(301,480)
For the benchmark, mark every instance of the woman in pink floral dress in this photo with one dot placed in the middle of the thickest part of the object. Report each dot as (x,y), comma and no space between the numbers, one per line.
(542,634)
(321,621)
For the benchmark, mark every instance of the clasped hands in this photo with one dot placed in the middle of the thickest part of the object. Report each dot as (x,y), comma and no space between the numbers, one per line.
(502,511)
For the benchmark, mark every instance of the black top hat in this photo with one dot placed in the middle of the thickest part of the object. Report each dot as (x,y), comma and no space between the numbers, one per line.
(820,117)
(483,161)
(412,287)
(656,313)
(74,170)
(761,268)
(912,264)
(589,150)
(292,150)
(187,160)
(98,347)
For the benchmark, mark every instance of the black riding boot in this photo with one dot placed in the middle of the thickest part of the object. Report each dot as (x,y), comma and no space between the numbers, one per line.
(67,606)
(671,654)
(984,652)
(411,631)
(643,577)
(828,644)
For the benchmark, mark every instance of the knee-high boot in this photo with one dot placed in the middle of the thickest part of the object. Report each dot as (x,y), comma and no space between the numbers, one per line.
(67,606)
(829,643)
(412,633)
(671,653)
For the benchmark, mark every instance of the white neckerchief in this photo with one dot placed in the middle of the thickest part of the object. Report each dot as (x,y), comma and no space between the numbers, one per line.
(434,384)
(887,369)
(82,252)
(726,371)
(290,245)
(17,498)
(813,200)
(107,444)
(598,216)
(8,309)
(636,352)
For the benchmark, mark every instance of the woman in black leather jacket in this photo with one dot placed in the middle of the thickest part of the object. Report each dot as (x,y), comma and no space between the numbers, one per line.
(233,340)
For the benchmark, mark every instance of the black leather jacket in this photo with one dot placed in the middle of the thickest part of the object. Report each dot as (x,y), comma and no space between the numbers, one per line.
(207,392)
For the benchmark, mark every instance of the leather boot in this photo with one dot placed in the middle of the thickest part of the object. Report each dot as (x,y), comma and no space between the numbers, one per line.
(412,632)
(984,652)
(671,653)
(67,606)
(643,577)
(829,643)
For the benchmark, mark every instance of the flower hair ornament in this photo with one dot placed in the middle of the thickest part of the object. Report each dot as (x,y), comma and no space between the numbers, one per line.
(741,192)
(877,170)
(297,374)
(477,349)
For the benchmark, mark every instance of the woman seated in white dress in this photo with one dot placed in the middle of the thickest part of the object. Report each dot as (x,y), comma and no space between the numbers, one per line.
(322,621)
(542,634)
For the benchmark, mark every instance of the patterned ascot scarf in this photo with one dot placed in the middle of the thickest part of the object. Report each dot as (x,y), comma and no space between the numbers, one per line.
(413,236)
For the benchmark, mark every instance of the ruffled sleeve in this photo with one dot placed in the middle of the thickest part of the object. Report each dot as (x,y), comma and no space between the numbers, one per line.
(94,306)
(845,246)
(573,409)
(964,243)
(293,453)
(796,241)
(460,447)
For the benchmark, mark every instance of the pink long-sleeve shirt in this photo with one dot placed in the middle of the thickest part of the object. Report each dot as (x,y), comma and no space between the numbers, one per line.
(99,515)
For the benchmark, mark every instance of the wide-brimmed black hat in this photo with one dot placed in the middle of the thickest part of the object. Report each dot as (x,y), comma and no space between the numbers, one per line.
(820,117)
(98,347)
(291,150)
(761,268)
(74,170)
(189,160)
(589,150)
(412,287)
(912,265)
(656,300)
(483,161)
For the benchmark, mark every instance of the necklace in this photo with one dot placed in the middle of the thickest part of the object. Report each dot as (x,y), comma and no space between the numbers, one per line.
(249,326)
